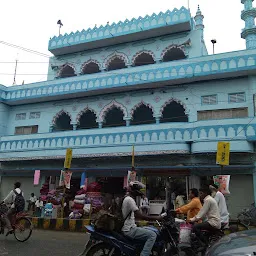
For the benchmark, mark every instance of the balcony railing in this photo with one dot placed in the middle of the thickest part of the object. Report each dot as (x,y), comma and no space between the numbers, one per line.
(168,136)
(217,66)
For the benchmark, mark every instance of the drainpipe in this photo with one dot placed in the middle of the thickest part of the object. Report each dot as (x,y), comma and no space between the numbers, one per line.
(254,182)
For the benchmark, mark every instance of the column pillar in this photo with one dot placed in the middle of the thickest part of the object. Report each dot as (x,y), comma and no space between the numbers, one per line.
(51,128)
(128,121)
(254,182)
(100,124)
(157,119)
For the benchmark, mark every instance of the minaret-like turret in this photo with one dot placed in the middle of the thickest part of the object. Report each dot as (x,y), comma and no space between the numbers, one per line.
(249,32)
(199,19)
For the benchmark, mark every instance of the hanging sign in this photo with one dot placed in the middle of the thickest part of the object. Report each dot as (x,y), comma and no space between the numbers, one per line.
(36,177)
(67,179)
(68,158)
(223,183)
(223,153)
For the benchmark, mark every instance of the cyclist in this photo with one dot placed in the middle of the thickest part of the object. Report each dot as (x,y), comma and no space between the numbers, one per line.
(16,199)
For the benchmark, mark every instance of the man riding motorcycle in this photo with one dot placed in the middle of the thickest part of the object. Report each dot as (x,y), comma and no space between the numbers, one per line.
(130,210)
(210,210)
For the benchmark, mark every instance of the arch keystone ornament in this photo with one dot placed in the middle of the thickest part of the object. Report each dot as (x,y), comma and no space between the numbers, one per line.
(108,107)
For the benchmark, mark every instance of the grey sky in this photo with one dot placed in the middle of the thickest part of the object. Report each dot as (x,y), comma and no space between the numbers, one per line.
(30,24)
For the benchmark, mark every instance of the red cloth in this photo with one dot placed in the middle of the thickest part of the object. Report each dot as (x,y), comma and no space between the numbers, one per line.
(80,192)
(94,187)
(78,206)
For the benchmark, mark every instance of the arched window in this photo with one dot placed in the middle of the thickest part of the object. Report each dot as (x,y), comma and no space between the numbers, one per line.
(174,53)
(142,115)
(116,63)
(62,123)
(144,59)
(174,112)
(67,71)
(114,118)
(90,68)
(87,120)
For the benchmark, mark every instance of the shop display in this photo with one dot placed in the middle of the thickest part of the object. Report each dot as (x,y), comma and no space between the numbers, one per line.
(223,182)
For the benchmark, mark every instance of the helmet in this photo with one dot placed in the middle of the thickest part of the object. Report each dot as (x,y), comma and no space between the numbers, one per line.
(136,186)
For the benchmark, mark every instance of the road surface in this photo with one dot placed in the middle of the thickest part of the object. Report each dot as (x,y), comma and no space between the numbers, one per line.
(44,243)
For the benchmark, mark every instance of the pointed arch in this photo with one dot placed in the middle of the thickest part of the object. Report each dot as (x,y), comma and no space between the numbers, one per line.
(87,119)
(144,57)
(67,70)
(109,106)
(174,110)
(90,67)
(142,113)
(62,121)
(173,52)
(140,104)
(116,60)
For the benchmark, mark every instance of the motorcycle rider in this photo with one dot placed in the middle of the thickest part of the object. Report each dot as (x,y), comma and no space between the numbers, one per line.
(130,210)
(210,210)
(221,201)
(193,207)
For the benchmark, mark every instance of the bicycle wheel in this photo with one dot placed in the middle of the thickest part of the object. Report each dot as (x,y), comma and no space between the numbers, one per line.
(244,219)
(22,229)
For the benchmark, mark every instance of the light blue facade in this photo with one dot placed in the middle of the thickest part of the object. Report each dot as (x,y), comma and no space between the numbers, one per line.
(185,81)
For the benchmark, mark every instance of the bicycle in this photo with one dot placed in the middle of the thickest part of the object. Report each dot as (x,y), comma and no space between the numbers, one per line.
(21,224)
(248,216)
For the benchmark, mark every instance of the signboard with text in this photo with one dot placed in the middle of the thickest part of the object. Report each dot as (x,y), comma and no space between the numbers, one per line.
(68,158)
(223,153)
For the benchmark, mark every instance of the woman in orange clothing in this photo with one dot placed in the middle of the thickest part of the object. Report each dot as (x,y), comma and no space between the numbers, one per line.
(193,207)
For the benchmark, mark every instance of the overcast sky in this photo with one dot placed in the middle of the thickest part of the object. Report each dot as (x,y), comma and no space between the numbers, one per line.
(30,24)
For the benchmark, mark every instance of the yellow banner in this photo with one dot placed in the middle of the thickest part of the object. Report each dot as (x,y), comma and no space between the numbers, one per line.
(68,158)
(223,153)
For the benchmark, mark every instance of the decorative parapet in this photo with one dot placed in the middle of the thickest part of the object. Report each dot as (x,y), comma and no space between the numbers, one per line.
(121,28)
(196,68)
(162,134)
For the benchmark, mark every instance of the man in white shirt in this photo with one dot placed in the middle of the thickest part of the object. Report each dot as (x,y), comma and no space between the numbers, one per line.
(32,202)
(130,229)
(10,199)
(221,201)
(210,211)
(144,205)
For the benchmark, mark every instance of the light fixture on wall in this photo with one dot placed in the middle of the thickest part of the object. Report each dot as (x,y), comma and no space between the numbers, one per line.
(214,41)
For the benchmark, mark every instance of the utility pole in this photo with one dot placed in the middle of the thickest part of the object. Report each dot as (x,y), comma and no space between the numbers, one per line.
(15,72)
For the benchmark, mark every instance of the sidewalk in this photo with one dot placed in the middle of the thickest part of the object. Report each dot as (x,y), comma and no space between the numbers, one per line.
(79,225)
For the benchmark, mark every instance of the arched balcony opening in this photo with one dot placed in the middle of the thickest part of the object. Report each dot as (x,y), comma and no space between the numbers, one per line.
(174,53)
(90,68)
(174,112)
(116,63)
(67,71)
(114,118)
(63,123)
(142,115)
(87,121)
(143,59)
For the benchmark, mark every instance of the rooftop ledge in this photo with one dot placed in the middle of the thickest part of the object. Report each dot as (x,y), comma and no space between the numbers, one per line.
(226,65)
(122,32)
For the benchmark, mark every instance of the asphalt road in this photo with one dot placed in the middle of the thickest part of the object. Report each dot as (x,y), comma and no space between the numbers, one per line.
(44,243)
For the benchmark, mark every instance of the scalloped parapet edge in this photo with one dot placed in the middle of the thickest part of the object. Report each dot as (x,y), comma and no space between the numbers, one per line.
(121,28)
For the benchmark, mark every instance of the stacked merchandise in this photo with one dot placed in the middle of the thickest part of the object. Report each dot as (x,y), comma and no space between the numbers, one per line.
(86,200)
(44,191)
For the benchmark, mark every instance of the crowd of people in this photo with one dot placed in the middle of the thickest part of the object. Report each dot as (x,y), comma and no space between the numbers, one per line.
(207,209)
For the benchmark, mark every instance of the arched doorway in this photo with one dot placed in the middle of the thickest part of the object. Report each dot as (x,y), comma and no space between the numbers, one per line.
(173,112)
(87,120)
(67,71)
(116,63)
(143,59)
(91,68)
(114,118)
(142,115)
(174,53)
(62,123)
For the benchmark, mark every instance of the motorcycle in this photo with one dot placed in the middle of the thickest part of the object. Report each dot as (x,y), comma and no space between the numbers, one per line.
(167,243)
(116,244)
